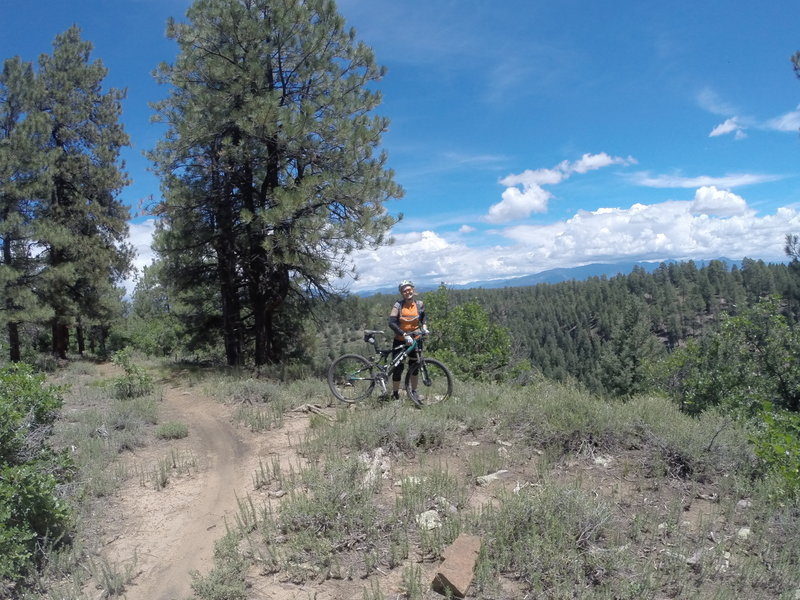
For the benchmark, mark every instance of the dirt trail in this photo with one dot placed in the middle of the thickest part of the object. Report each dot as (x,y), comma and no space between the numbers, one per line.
(165,534)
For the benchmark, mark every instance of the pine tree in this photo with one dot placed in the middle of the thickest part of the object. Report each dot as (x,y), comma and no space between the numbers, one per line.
(269,165)
(81,223)
(23,180)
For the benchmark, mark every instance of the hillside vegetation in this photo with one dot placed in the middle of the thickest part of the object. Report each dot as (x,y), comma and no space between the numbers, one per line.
(628,437)
(682,481)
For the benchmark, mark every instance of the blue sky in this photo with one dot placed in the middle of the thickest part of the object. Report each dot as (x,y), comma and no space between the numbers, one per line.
(529,135)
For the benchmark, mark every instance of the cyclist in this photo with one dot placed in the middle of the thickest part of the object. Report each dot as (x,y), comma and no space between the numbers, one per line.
(406,317)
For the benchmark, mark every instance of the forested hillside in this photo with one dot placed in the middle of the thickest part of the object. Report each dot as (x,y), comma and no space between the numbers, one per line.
(588,330)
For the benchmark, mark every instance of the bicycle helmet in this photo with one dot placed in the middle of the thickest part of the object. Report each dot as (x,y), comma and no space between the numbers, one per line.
(404,283)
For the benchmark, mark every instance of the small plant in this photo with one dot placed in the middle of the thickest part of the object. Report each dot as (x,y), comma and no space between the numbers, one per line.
(483,462)
(176,463)
(172,431)
(258,419)
(374,592)
(226,581)
(332,516)
(552,538)
(112,578)
(135,382)
(412,584)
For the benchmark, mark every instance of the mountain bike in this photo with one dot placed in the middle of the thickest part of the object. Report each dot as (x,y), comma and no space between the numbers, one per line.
(353,377)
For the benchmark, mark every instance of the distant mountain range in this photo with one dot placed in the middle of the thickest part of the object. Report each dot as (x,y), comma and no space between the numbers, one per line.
(558,275)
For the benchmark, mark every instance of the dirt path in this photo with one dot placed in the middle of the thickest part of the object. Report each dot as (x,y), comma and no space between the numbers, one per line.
(165,534)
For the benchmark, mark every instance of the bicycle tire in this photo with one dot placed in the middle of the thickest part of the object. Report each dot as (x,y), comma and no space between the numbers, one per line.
(351,378)
(439,384)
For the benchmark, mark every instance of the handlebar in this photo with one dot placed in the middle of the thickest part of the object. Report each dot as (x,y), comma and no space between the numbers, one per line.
(369,336)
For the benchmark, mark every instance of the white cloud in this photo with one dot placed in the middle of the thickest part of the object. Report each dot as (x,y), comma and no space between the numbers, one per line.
(592,162)
(788,122)
(679,181)
(140,236)
(708,99)
(424,257)
(466,229)
(656,232)
(518,204)
(712,201)
(731,125)
(715,223)
(524,193)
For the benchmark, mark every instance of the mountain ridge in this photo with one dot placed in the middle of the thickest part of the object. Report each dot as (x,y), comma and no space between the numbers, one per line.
(559,275)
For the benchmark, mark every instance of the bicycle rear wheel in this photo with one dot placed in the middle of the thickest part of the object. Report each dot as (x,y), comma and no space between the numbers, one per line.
(433,380)
(351,378)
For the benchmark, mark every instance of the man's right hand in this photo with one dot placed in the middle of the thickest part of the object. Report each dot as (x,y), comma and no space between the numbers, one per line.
(409,340)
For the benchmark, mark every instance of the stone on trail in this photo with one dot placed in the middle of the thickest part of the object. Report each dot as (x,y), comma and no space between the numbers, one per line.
(455,573)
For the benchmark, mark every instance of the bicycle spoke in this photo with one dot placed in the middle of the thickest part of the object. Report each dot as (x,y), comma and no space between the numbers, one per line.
(351,378)
(434,382)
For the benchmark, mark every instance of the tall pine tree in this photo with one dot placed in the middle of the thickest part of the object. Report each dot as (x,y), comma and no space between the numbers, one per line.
(270,165)
(82,225)
(23,180)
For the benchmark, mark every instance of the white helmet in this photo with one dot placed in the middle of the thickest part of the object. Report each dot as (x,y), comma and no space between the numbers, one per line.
(403,284)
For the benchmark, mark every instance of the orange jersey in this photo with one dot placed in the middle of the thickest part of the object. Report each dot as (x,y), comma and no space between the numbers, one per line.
(407,318)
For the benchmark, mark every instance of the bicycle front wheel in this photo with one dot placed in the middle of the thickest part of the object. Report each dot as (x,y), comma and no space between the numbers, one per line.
(432,379)
(351,378)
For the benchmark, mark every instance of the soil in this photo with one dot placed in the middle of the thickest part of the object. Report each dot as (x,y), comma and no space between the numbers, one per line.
(163,535)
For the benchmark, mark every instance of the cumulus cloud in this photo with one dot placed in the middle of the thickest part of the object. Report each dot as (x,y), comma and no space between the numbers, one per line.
(424,256)
(672,229)
(518,204)
(714,223)
(524,193)
(591,162)
(466,229)
(708,200)
(140,236)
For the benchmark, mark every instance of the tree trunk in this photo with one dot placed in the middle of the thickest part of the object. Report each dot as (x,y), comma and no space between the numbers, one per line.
(231,324)
(265,305)
(79,337)
(60,339)
(260,326)
(12,327)
(102,336)
(13,342)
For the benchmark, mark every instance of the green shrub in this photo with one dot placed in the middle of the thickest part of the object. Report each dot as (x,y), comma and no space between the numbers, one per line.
(776,442)
(27,409)
(467,340)
(30,511)
(135,382)
(749,360)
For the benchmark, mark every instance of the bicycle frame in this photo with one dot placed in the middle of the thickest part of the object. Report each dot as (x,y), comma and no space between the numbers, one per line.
(383,364)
